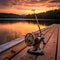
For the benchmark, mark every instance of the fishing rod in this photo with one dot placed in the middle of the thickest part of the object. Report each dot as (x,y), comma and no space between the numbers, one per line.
(37,21)
(34,41)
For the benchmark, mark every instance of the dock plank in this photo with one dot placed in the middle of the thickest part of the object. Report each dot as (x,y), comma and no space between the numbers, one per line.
(8,45)
(58,51)
(12,51)
(24,55)
(50,48)
(47,35)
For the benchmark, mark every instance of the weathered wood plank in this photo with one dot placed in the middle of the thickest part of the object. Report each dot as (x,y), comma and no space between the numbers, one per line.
(58,51)
(23,55)
(50,48)
(10,44)
(48,34)
(12,51)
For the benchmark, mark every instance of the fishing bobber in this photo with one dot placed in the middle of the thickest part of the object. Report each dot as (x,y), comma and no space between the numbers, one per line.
(34,40)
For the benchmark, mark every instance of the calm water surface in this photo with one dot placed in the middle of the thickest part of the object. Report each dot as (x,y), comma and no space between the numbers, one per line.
(11,31)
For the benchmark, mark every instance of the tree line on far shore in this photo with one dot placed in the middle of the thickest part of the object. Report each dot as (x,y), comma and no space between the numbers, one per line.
(52,14)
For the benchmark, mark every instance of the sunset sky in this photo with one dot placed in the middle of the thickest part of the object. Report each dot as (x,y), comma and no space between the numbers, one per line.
(25,6)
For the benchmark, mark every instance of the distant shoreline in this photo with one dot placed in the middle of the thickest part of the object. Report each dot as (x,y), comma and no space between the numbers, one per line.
(24,19)
(52,14)
(42,21)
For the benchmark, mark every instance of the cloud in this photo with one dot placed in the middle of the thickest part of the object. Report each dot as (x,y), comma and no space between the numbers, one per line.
(4,2)
(28,4)
(13,3)
(58,5)
(38,1)
(53,6)
(55,1)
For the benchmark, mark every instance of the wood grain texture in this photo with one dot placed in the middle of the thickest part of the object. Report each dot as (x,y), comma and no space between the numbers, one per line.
(58,51)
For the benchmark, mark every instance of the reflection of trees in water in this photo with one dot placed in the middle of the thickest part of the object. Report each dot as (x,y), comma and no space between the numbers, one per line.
(41,21)
(6,36)
(2,21)
(47,22)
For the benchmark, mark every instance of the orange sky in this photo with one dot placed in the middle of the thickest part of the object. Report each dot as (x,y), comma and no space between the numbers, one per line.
(25,6)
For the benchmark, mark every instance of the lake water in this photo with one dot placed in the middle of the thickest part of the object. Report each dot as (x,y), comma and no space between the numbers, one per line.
(11,31)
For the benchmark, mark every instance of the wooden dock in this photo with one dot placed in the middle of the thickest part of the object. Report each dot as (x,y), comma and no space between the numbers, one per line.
(51,49)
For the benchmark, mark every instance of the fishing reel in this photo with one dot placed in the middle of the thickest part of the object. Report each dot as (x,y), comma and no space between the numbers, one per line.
(29,39)
(34,40)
